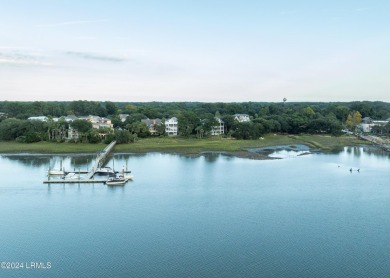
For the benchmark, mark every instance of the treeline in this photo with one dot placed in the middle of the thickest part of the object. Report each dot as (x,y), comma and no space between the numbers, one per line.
(195,119)
(23,110)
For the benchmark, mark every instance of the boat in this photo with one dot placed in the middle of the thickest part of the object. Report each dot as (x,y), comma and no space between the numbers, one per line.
(105,171)
(56,172)
(120,180)
(71,176)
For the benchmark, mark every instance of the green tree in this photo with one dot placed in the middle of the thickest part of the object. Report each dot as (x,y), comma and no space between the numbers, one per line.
(82,126)
(93,136)
(139,128)
(161,128)
(188,121)
(111,107)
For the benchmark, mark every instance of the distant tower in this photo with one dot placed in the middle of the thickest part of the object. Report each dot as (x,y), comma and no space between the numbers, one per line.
(284,100)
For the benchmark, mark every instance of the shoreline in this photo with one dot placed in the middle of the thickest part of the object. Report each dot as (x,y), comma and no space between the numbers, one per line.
(251,149)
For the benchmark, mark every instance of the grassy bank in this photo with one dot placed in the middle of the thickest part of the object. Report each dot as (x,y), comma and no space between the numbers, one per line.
(187,146)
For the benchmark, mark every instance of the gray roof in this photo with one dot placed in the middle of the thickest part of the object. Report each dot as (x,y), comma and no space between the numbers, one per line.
(150,122)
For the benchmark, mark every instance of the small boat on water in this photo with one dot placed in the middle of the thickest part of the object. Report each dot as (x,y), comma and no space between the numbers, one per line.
(71,176)
(120,180)
(105,171)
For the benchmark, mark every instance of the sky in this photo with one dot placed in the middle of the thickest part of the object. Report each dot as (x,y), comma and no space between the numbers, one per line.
(200,50)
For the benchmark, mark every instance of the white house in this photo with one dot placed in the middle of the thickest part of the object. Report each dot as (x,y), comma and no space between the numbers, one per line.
(39,118)
(73,134)
(242,118)
(171,126)
(218,129)
(367,124)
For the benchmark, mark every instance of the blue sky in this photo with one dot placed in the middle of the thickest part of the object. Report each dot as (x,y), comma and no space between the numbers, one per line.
(195,50)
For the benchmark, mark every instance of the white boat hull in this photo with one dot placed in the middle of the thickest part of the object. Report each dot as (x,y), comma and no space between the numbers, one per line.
(116,181)
(56,172)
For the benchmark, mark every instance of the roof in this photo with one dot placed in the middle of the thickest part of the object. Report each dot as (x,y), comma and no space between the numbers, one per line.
(38,118)
(219,120)
(150,122)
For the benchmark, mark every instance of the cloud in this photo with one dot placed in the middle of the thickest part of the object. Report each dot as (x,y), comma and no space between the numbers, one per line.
(74,22)
(18,59)
(97,57)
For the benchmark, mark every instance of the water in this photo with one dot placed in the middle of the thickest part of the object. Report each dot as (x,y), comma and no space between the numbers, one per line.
(210,216)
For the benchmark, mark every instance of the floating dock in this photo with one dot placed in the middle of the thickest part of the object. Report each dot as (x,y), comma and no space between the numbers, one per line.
(74,181)
(99,162)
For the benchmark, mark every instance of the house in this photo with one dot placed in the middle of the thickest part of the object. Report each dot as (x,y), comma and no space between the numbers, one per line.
(97,123)
(123,117)
(3,115)
(73,134)
(38,118)
(171,126)
(241,118)
(218,129)
(152,125)
(368,124)
(70,118)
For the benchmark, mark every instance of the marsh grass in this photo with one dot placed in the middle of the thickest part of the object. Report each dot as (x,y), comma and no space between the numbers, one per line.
(187,145)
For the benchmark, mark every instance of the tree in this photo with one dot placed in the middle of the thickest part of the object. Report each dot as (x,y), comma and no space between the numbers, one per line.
(123,136)
(205,125)
(82,126)
(188,121)
(160,128)
(247,130)
(93,136)
(353,120)
(139,128)
(229,122)
(357,118)
(110,107)
(309,112)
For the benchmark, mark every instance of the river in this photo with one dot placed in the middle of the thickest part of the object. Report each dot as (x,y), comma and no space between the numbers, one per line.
(208,216)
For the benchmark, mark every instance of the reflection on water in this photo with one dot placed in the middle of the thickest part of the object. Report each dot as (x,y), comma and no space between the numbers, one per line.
(206,216)
(28,160)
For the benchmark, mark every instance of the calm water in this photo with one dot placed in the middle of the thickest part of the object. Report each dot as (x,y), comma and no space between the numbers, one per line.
(211,216)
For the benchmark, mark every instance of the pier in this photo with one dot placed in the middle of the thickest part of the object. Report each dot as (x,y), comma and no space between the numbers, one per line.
(99,162)
(100,159)
(74,181)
